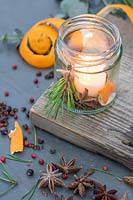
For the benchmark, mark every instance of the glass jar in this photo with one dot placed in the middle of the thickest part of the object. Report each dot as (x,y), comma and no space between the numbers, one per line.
(89,48)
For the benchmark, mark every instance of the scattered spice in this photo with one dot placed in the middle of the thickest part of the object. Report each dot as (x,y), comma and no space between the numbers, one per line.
(45,193)
(41,162)
(15,116)
(25,138)
(89,172)
(129,179)
(53,151)
(26,143)
(56,197)
(14,66)
(124,196)
(23,109)
(12,113)
(80,185)
(25,126)
(29,130)
(67,168)
(36,81)
(31,100)
(49,75)
(101,193)
(4,131)
(6,93)
(15,110)
(3,159)
(40,141)
(27,114)
(64,176)
(105,168)
(30,172)
(33,155)
(39,73)
(50,178)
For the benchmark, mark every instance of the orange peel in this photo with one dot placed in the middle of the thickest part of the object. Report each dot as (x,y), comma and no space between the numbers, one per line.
(106,92)
(75,41)
(107,9)
(16,137)
(37,45)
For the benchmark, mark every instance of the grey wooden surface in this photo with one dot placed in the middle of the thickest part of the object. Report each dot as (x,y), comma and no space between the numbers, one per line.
(108,133)
(22,14)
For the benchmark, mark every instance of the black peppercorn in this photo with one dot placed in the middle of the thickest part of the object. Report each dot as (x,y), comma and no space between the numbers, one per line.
(30,172)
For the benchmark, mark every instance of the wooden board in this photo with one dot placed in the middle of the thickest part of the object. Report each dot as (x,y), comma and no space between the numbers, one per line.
(109,133)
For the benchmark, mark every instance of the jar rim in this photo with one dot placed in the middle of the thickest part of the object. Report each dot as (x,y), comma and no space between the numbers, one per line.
(97,19)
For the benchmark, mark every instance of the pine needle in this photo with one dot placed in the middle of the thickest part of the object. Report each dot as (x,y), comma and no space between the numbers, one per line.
(61,94)
(15,158)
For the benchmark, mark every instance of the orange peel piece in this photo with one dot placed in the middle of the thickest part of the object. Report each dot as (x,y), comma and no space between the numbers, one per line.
(75,41)
(106,91)
(37,45)
(16,137)
(107,9)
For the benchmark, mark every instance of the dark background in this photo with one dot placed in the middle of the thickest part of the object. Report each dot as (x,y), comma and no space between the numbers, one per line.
(22,15)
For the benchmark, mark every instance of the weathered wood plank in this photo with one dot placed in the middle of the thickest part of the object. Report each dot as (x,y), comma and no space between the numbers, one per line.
(108,133)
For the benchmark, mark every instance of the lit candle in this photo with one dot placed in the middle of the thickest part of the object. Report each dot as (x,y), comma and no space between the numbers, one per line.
(87,77)
(92,82)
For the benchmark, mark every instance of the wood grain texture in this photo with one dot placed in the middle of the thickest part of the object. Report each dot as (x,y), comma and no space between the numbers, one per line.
(109,133)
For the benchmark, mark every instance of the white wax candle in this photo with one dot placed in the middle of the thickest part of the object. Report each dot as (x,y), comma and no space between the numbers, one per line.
(92,82)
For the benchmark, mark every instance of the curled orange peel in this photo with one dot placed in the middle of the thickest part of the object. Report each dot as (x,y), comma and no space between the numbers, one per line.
(107,9)
(37,45)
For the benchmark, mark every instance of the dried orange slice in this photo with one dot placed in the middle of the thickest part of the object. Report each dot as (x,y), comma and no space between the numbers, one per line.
(107,9)
(16,137)
(105,93)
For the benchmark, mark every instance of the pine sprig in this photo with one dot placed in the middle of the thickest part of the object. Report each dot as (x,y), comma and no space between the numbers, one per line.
(30,192)
(15,158)
(9,179)
(61,94)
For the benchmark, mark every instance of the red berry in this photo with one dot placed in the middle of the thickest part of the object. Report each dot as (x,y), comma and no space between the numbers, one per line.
(15,116)
(6,93)
(3,159)
(28,165)
(1,125)
(41,161)
(64,176)
(14,66)
(26,143)
(33,155)
(29,130)
(105,168)
(31,100)
(36,81)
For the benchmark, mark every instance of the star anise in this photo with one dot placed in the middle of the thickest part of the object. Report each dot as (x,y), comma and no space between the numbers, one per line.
(129,179)
(62,197)
(67,167)
(124,196)
(80,185)
(50,178)
(100,192)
